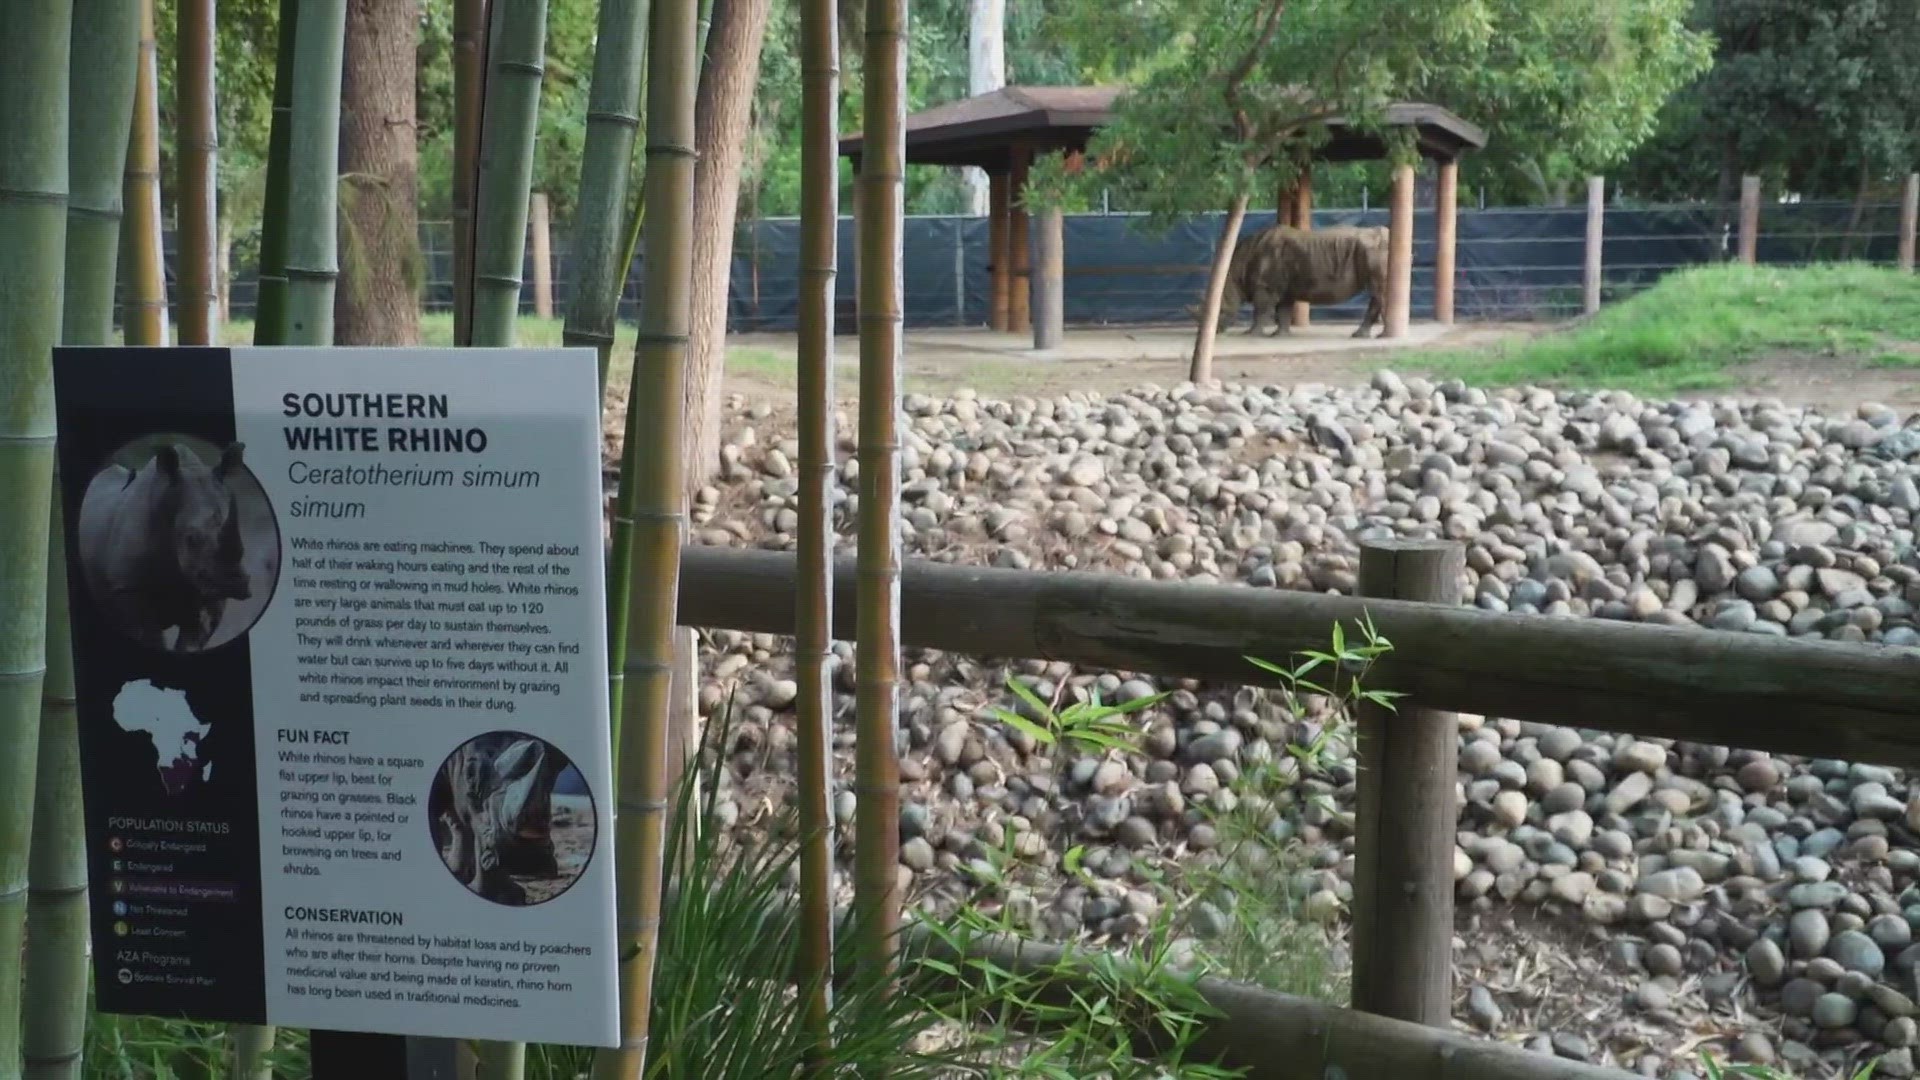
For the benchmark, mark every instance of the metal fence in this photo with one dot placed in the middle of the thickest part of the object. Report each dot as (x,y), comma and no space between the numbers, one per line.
(1512,263)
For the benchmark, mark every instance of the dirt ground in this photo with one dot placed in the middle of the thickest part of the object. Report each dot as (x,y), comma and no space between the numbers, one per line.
(1120,358)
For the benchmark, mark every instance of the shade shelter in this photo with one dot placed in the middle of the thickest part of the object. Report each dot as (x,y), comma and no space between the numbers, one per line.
(1004,131)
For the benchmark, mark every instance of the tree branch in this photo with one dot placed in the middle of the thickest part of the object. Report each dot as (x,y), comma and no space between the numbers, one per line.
(1270,22)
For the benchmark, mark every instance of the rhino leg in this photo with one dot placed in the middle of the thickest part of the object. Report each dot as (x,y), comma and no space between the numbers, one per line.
(1282,318)
(1371,316)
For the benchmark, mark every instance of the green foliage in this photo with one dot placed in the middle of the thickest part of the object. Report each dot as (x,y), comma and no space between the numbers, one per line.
(1817,96)
(243,88)
(1567,87)
(1088,724)
(1716,1071)
(1686,331)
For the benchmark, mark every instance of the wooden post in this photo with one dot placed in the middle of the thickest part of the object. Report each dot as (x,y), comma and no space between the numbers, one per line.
(999,223)
(1909,217)
(1403,836)
(1446,230)
(1049,293)
(1400,254)
(1019,245)
(1596,214)
(541,247)
(1750,220)
(1302,213)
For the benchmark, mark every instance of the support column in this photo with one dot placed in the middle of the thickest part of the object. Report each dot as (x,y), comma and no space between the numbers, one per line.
(1302,214)
(1019,244)
(1596,232)
(1049,309)
(540,246)
(1404,827)
(1750,220)
(1446,217)
(1909,217)
(1399,253)
(1000,267)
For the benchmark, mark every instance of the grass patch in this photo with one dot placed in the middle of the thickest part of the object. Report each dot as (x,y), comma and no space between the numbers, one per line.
(1688,331)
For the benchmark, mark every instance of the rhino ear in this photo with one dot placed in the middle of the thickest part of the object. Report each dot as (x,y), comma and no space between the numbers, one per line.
(229,460)
(167,457)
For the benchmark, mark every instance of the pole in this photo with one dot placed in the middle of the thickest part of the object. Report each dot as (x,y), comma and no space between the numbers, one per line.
(1596,213)
(1049,289)
(960,267)
(1446,231)
(1019,253)
(1750,220)
(999,227)
(540,225)
(1909,215)
(1303,220)
(1400,253)
(1403,841)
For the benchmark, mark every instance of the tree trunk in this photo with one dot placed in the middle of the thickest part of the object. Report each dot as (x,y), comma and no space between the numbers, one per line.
(470,22)
(313,173)
(379,165)
(144,305)
(1201,369)
(986,72)
(725,105)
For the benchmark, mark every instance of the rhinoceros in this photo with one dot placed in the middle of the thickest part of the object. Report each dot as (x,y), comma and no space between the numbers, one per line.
(498,824)
(1280,265)
(161,546)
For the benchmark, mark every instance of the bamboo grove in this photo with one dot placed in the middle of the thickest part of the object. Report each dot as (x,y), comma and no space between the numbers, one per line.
(81,217)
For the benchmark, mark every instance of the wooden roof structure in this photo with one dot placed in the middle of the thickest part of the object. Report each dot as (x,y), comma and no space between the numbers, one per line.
(983,130)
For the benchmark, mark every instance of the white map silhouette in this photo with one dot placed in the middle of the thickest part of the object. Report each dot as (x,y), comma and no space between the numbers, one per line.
(164,717)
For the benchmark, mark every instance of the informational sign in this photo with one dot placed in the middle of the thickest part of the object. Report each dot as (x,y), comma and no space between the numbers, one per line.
(339,633)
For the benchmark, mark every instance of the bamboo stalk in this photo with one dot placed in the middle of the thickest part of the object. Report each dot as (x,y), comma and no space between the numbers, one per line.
(516,57)
(606,162)
(34,51)
(196,154)
(471,23)
(145,309)
(270,300)
(313,170)
(877,657)
(813,655)
(655,414)
(100,85)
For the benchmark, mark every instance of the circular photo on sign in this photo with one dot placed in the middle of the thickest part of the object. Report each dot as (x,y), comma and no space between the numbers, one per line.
(178,544)
(512,818)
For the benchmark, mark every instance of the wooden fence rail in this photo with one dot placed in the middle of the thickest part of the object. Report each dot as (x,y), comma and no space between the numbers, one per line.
(1824,699)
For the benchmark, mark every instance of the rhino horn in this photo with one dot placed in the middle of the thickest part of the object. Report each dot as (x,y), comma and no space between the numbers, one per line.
(229,460)
(167,458)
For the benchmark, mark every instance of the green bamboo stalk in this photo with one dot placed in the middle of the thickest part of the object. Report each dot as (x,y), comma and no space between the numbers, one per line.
(145,310)
(813,651)
(100,84)
(613,118)
(270,298)
(196,154)
(877,652)
(313,171)
(470,28)
(654,414)
(516,57)
(34,50)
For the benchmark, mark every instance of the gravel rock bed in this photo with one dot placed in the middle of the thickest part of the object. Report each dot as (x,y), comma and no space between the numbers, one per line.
(1620,900)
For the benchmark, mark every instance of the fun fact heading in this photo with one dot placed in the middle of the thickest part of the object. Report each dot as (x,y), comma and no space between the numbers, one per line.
(417,438)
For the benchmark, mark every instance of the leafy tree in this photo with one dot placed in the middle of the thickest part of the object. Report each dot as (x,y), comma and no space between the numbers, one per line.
(1816,96)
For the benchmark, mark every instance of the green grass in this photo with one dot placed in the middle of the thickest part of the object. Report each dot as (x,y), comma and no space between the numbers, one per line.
(1690,330)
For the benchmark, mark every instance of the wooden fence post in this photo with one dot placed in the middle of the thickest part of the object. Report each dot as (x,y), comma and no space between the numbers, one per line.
(1750,220)
(1909,218)
(1404,835)
(1446,231)
(1596,212)
(1049,281)
(1000,267)
(1400,254)
(540,223)
(1019,245)
(1302,212)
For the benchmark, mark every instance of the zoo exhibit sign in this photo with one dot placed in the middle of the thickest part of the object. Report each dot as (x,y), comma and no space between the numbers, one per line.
(339,633)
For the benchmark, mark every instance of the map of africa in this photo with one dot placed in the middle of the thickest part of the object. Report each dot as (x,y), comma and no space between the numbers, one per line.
(163,716)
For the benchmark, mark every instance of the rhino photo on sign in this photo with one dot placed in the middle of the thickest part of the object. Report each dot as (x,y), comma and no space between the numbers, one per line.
(512,818)
(178,544)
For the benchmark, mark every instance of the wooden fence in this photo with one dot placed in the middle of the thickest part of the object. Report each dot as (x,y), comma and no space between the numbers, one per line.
(1785,696)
